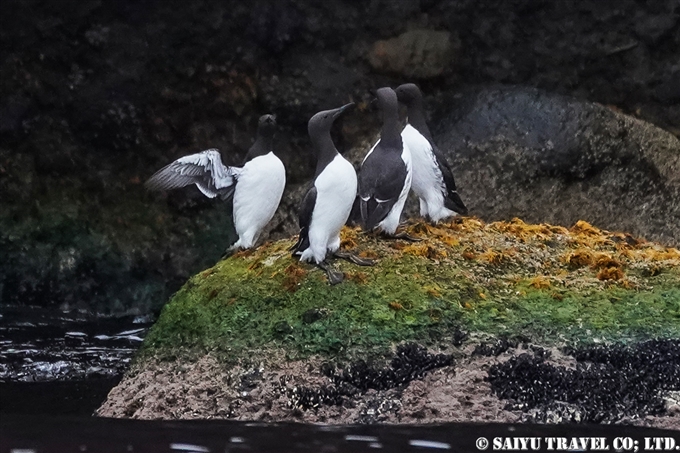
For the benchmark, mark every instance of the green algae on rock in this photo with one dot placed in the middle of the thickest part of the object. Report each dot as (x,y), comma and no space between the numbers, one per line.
(550,283)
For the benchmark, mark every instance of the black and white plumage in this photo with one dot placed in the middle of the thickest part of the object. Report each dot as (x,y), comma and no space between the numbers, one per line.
(327,203)
(433,181)
(256,187)
(385,174)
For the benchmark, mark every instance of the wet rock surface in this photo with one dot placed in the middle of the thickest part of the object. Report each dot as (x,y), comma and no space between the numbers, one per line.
(632,384)
(96,96)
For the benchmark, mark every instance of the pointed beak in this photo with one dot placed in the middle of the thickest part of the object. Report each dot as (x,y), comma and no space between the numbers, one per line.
(340,110)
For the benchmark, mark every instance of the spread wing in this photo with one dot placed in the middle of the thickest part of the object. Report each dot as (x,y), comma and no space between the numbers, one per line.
(205,169)
(305,219)
(453,200)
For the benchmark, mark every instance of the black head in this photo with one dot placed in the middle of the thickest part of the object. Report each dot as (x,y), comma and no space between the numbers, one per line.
(322,122)
(266,126)
(387,99)
(409,94)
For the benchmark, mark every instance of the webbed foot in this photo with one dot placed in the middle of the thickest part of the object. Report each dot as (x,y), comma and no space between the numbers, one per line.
(352,258)
(334,276)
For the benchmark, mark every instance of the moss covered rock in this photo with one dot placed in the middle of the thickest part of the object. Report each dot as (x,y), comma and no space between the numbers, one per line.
(548,283)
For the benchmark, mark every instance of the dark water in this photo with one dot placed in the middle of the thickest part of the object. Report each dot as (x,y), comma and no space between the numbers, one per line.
(52,362)
(63,434)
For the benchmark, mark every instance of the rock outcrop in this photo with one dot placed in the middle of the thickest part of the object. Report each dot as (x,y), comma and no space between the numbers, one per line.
(521,152)
(260,336)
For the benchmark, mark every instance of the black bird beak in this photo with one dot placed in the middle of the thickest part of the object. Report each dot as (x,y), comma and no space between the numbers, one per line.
(340,110)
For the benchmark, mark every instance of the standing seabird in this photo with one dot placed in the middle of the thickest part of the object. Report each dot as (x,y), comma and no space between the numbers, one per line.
(432,177)
(385,175)
(256,187)
(328,201)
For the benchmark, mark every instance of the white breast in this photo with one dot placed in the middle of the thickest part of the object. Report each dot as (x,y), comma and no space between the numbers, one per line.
(336,189)
(428,181)
(257,195)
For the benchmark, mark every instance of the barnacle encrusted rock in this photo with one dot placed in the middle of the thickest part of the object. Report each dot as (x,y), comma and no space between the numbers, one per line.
(272,329)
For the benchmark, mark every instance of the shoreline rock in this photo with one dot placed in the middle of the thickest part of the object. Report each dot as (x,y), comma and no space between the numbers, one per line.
(261,336)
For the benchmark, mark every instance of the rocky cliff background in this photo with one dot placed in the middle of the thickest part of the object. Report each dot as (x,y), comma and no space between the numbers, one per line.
(97,95)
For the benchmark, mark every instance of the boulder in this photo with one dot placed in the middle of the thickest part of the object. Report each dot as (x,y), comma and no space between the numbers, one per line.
(521,152)
(261,336)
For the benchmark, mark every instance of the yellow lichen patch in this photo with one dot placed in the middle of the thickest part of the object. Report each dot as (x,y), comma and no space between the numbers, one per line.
(368,254)
(603,261)
(433,291)
(348,237)
(655,254)
(540,282)
(610,273)
(420,228)
(625,240)
(583,227)
(469,254)
(398,245)
(396,306)
(493,257)
(425,250)
(293,276)
(524,231)
(579,258)
(450,241)
(357,277)
(628,284)
(473,223)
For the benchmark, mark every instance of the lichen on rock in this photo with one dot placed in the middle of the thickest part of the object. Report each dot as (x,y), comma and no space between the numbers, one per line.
(546,281)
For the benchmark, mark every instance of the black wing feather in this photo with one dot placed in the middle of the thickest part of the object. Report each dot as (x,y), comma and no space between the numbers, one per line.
(305,220)
(381,177)
(452,200)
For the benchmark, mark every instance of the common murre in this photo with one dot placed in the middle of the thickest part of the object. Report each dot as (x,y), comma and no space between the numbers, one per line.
(433,181)
(328,201)
(386,173)
(256,187)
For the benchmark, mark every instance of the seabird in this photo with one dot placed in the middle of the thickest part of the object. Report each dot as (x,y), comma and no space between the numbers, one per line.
(255,187)
(432,177)
(328,201)
(385,174)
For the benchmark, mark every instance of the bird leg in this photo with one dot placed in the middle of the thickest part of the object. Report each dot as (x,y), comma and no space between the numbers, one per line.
(227,253)
(352,258)
(334,276)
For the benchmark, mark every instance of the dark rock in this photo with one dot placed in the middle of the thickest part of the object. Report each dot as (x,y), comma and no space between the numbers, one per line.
(636,377)
(313,315)
(497,348)
(410,362)
(652,28)
(282,328)
(520,152)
